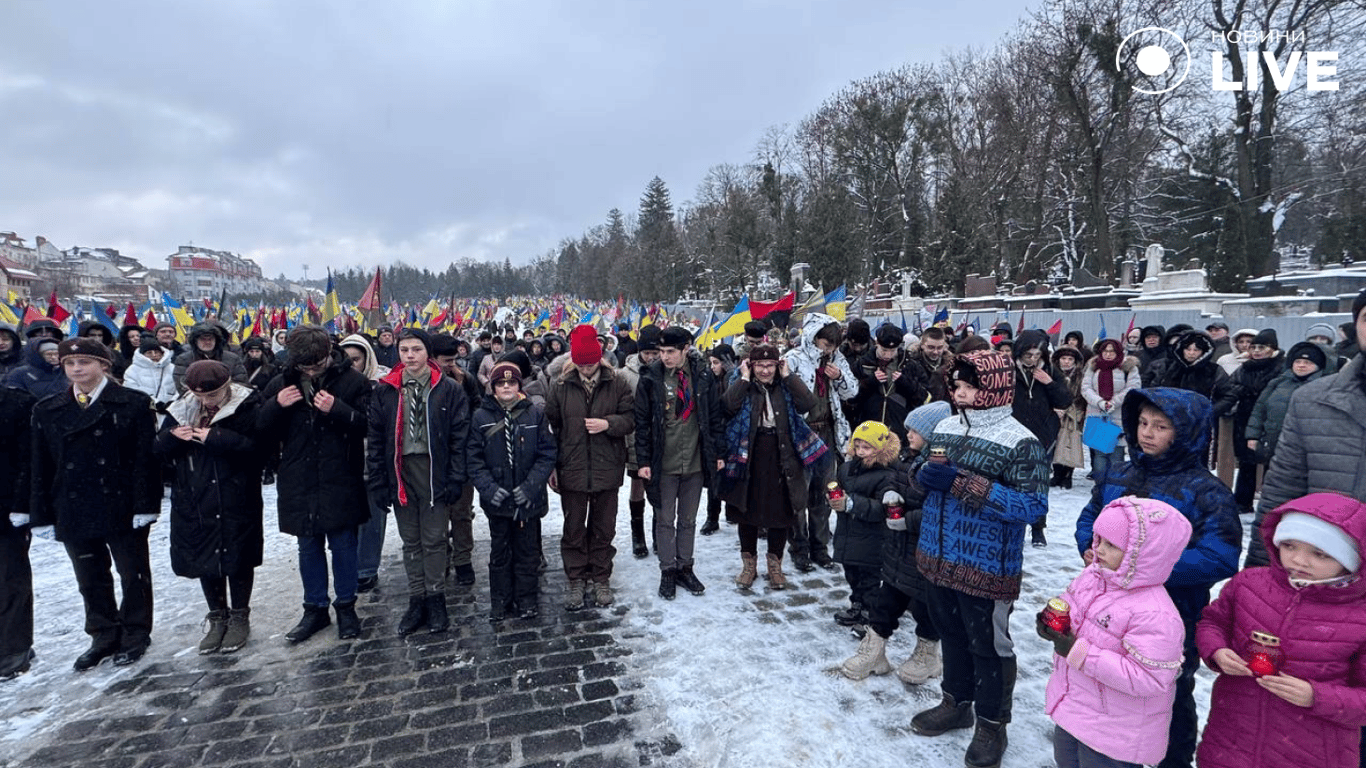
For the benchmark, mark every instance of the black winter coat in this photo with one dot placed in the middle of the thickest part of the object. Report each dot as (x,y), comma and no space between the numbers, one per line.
(649,421)
(36,376)
(861,528)
(216,527)
(321,479)
(93,467)
(16,442)
(898,552)
(1248,383)
(221,353)
(889,401)
(1034,403)
(486,454)
(1203,377)
(448,426)
(15,356)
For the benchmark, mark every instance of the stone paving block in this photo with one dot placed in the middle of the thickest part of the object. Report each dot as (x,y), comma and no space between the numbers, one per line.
(449,758)
(351,754)
(309,739)
(568,659)
(606,732)
(205,733)
(598,689)
(210,713)
(507,703)
(526,723)
(561,676)
(378,727)
(491,754)
(451,676)
(169,682)
(141,743)
(277,706)
(557,743)
(351,713)
(302,718)
(557,695)
(72,753)
(237,751)
(405,745)
(433,718)
(457,735)
(599,760)
(603,669)
(180,757)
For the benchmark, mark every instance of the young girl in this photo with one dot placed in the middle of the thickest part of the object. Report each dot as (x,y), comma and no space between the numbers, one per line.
(1310,600)
(861,520)
(1114,670)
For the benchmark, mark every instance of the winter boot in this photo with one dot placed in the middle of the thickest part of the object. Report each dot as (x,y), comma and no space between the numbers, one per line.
(800,559)
(923,663)
(689,581)
(852,615)
(776,578)
(239,629)
(437,618)
(1036,537)
(573,601)
(870,659)
(822,558)
(638,547)
(348,623)
(713,523)
(213,638)
(947,715)
(988,744)
(668,583)
(415,617)
(1056,480)
(602,594)
(749,572)
(464,575)
(315,619)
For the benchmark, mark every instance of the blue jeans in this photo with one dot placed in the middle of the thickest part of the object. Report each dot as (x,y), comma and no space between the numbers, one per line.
(371,545)
(313,566)
(1102,462)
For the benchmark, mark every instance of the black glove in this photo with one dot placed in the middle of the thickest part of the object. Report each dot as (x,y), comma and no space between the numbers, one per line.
(499,497)
(519,496)
(936,476)
(1062,644)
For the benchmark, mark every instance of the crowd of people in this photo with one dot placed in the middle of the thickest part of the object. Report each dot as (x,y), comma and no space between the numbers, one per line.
(933,454)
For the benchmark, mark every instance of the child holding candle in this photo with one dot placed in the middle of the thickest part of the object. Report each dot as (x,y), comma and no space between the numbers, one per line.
(860,517)
(1114,671)
(1306,704)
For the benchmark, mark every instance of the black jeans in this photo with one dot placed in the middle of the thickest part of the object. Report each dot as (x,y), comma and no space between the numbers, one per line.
(862,581)
(886,605)
(1185,728)
(514,561)
(126,625)
(16,593)
(979,656)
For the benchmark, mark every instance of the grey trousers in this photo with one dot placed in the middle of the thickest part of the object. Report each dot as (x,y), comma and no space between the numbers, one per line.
(423,528)
(812,531)
(676,519)
(462,527)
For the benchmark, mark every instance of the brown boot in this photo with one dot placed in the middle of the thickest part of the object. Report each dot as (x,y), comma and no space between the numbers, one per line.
(749,572)
(776,578)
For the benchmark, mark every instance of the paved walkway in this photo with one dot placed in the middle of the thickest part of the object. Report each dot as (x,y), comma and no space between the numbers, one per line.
(559,690)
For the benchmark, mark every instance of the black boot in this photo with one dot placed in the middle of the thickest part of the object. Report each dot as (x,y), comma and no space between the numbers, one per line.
(414,618)
(800,560)
(464,575)
(668,583)
(638,547)
(437,618)
(1056,480)
(988,744)
(851,616)
(713,523)
(316,618)
(947,715)
(348,623)
(1036,537)
(689,581)
(1067,477)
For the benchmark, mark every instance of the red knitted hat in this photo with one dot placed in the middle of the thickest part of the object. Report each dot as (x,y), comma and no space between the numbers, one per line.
(584,347)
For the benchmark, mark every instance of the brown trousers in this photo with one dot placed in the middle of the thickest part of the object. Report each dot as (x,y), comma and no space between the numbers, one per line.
(590,523)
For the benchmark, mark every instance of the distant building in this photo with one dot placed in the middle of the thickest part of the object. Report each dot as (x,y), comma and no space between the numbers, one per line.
(202,273)
(98,274)
(15,277)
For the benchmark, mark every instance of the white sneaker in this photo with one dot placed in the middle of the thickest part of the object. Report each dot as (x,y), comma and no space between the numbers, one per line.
(871,658)
(923,664)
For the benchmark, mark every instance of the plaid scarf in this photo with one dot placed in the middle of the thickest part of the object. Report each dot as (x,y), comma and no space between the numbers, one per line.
(809,446)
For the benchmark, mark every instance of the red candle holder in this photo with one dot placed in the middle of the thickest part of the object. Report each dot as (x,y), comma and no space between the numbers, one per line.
(895,512)
(1057,615)
(1264,654)
(939,455)
(834,492)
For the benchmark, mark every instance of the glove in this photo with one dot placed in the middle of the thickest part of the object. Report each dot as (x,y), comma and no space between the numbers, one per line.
(519,496)
(936,476)
(44,532)
(892,498)
(896,523)
(1062,644)
(499,497)
(142,521)
(18,519)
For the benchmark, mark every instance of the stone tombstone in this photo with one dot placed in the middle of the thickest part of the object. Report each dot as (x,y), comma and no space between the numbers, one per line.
(976,285)
(1152,256)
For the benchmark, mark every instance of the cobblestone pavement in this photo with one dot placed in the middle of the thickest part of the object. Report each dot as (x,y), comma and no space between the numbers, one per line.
(559,690)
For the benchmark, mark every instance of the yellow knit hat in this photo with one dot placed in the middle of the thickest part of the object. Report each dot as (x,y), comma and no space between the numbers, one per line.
(874,433)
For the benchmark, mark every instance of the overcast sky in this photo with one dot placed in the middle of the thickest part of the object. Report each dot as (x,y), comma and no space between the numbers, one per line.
(331,132)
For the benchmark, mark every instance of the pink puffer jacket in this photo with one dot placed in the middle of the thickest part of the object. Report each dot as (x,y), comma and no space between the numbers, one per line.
(1114,691)
(1323,634)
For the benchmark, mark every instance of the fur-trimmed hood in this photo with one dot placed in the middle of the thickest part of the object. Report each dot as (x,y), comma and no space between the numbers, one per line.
(882,457)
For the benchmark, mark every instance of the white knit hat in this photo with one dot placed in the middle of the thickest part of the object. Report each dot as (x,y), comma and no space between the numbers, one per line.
(1319,533)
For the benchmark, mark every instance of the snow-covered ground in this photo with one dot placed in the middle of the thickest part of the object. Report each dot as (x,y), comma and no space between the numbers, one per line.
(741,679)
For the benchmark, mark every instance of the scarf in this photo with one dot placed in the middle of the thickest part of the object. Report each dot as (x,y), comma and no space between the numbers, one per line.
(1105,377)
(810,448)
(685,398)
(822,381)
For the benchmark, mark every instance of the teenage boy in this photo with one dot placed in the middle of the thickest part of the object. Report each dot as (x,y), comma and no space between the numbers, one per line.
(993,483)
(1168,431)
(415,459)
(680,442)
(97,486)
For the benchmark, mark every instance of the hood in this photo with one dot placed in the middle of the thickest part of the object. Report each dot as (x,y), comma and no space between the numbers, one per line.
(123,334)
(1153,330)
(1157,534)
(204,328)
(360,342)
(34,359)
(1031,339)
(185,409)
(992,373)
(142,361)
(812,323)
(1169,340)
(1190,413)
(885,456)
(1346,513)
(106,335)
(44,322)
(1201,340)
(18,343)
(1330,356)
